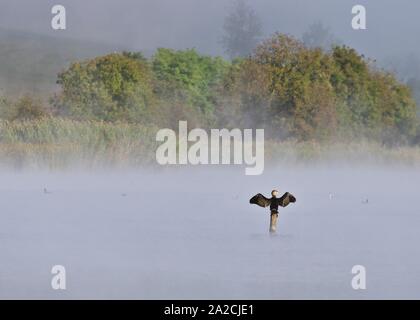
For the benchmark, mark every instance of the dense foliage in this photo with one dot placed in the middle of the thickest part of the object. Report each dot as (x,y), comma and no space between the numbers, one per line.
(307,93)
(110,88)
(185,84)
(291,90)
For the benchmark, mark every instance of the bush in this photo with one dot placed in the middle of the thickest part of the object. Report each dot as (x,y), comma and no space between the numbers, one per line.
(25,108)
(111,88)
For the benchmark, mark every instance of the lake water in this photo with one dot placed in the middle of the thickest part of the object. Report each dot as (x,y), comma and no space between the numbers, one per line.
(192,234)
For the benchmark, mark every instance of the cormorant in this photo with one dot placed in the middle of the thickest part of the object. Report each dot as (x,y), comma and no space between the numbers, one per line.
(274,204)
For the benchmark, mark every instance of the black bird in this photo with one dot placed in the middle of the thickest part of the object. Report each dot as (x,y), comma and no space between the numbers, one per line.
(274,204)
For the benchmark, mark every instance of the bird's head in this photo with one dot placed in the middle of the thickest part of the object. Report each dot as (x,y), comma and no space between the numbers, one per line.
(274,193)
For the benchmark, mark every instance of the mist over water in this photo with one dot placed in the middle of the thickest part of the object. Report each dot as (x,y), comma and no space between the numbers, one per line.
(191,233)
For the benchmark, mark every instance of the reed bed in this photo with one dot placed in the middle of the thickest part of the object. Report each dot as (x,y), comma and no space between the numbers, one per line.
(59,143)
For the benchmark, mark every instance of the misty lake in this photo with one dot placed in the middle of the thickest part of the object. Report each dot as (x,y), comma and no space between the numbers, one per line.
(175,234)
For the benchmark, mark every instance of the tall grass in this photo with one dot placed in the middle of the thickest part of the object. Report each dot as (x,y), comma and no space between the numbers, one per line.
(57,143)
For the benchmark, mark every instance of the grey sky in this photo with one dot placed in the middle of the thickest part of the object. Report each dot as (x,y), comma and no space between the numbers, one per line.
(147,24)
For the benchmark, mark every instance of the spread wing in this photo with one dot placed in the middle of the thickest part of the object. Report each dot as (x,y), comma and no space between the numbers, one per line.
(260,200)
(286,199)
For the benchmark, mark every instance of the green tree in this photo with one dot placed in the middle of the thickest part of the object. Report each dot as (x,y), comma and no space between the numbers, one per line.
(186,79)
(307,93)
(302,102)
(112,87)
(375,102)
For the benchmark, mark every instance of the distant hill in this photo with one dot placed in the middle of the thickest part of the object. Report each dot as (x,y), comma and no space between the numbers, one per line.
(29,62)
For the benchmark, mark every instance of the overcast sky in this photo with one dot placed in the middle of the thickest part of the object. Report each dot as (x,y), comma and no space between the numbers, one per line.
(393,26)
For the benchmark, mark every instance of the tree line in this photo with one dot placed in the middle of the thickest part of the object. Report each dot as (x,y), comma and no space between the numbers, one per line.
(290,89)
